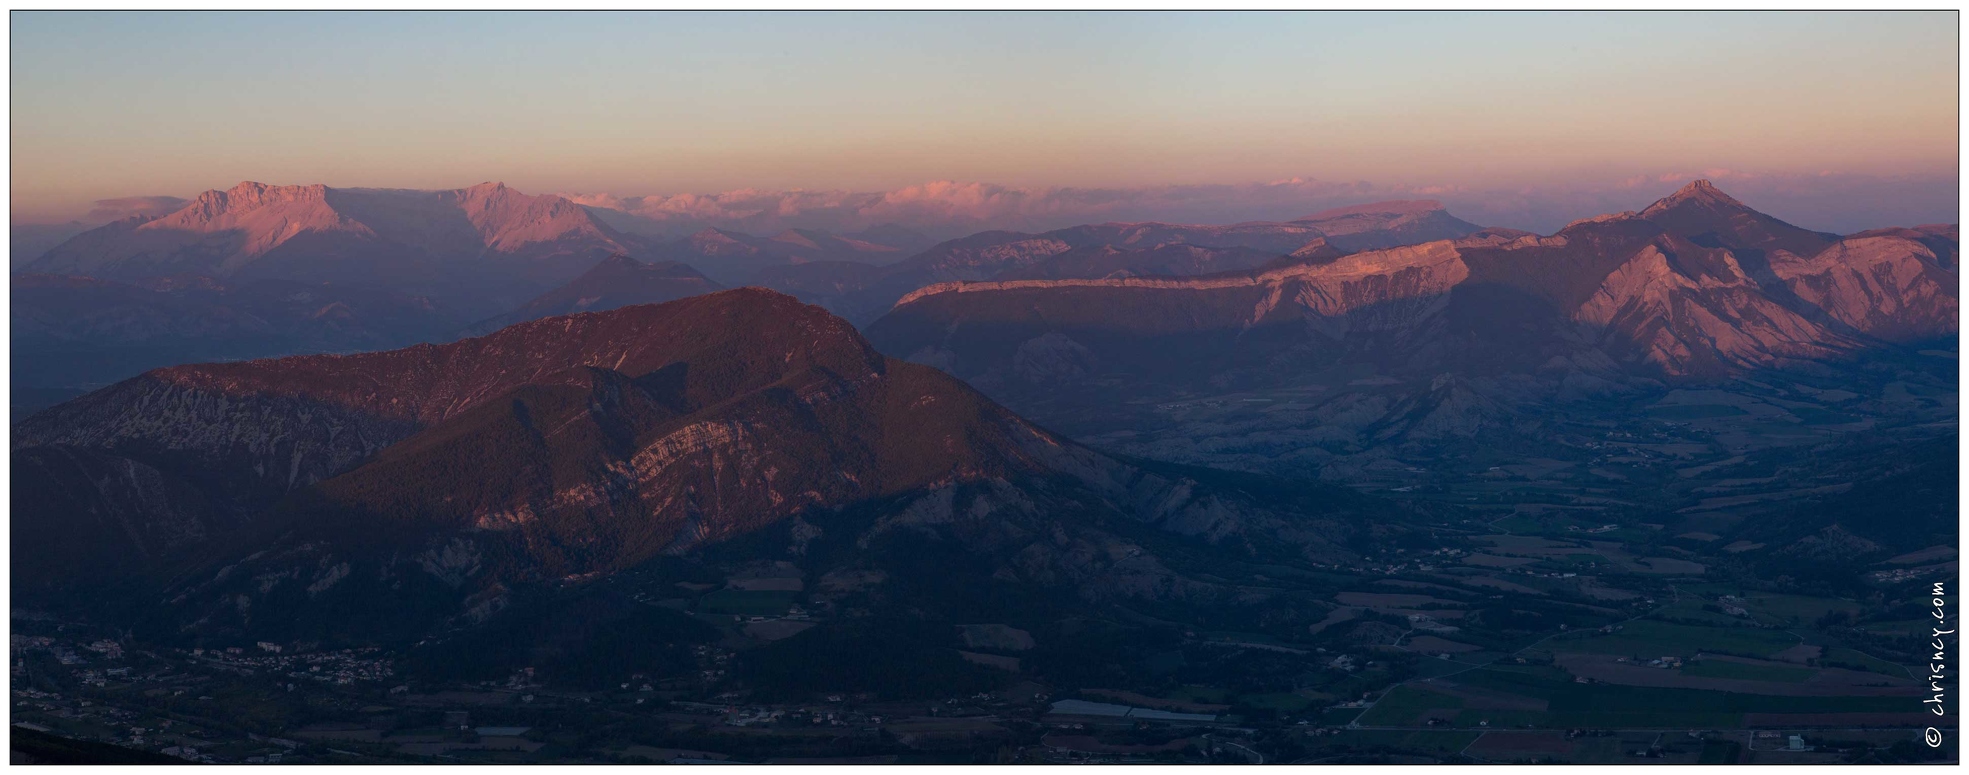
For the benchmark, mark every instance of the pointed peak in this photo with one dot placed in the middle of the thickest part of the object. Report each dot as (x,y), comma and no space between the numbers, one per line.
(1700,187)
(1699,191)
(487,190)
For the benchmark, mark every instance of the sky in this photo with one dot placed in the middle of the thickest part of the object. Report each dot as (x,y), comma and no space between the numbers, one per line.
(1553,107)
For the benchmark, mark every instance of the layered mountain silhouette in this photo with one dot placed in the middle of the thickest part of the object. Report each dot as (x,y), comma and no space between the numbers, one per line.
(388,493)
(618,281)
(260,270)
(735,258)
(1697,284)
(70,331)
(1443,338)
(486,249)
(478,246)
(1122,249)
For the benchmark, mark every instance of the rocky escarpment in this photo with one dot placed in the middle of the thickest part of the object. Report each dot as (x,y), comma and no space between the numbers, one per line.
(1341,285)
(1339,355)
(1893,287)
(1685,309)
(1138,249)
(1696,285)
(259,445)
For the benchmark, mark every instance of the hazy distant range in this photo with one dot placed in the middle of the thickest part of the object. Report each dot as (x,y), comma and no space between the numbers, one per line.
(1841,203)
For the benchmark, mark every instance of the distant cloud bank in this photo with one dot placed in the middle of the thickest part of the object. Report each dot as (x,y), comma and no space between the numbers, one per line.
(107,210)
(1830,202)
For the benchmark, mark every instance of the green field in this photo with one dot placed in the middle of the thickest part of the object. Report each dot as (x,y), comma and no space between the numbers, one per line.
(1661,639)
(1404,706)
(1578,560)
(1607,706)
(1283,702)
(1855,659)
(1823,416)
(1897,628)
(1691,610)
(1797,609)
(1436,743)
(1553,525)
(1694,411)
(736,601)
(1716,668)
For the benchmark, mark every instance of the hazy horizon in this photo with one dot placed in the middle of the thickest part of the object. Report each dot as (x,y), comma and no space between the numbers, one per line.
(1825,202)
(1834,121)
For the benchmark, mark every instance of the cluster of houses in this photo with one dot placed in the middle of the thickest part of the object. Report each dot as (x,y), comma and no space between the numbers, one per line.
(1661,663)
(342,667)
(768,717)
(22,644)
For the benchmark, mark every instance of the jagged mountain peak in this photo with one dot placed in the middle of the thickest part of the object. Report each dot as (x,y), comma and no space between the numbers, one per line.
(252,191)
(245,197)
(1697,192)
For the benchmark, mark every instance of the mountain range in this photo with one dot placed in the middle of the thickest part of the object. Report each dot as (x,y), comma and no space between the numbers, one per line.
(1448,337)
(484,256)
(484,247)
(1696,284)
(1118,249)
(735,257)
(283,497)
(76,333)
(1299,460)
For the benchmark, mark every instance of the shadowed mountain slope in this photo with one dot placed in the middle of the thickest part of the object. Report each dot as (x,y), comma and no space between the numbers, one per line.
(588,444)
(618,281)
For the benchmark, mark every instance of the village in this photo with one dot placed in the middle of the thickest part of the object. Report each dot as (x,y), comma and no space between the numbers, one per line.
(198,705)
